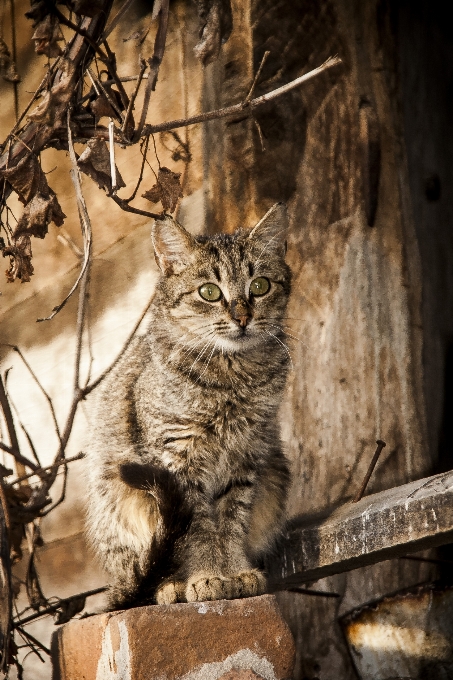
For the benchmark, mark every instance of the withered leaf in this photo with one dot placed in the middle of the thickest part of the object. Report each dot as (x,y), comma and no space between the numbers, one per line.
(95,162)
(37,215)
(216,24)
(7,66)
(167,189)
(39,9)
(100,106)
(47,36)
(70,608)
(20,260)
(53,105)
(27,178)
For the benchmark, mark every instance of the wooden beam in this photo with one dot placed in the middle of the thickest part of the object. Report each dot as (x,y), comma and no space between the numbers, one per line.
(379,527)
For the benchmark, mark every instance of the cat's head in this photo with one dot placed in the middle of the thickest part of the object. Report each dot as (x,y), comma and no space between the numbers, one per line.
(230,291)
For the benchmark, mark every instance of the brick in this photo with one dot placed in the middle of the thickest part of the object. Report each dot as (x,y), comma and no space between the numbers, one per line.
(227,639)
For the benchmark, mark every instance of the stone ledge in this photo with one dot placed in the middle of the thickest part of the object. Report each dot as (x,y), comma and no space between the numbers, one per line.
(227,639)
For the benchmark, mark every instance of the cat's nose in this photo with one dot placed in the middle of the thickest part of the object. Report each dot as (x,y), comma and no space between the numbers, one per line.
(241,312)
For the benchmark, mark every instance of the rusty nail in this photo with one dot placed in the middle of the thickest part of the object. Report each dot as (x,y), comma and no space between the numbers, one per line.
(374,460)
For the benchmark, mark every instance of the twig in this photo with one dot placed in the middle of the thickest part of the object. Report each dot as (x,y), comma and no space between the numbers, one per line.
(22,426)
(116,18)
(128,208)
(255,80)
(239,108)
(134,95)
(84,223)
(374,460)
(15,348)
(100,89)
(96,382)
(112,156)
(79,456)
(13,449)
(154,64)
(53,608)
(32,639)
(140,177)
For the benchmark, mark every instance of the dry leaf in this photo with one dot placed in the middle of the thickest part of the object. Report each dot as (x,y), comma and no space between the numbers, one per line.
(47,36)
(100,106)
(95,162)
(39,10)
(54,103)
(20,254)
(216,24)
(27,178)
(38,214)
(167,189)
(7,66)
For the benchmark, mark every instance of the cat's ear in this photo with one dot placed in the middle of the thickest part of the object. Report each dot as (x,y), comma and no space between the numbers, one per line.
(272,230)
(174,247)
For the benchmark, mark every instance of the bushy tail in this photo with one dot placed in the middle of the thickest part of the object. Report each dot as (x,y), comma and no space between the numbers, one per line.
(175,519)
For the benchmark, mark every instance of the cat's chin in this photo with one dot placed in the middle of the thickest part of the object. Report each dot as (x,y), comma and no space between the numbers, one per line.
(238,343)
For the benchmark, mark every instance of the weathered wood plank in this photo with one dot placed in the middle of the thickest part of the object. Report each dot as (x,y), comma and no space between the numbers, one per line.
(382,526)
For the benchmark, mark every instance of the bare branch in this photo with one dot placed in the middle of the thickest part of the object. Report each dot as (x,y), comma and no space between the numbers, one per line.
(140,177)
(124,205)
(134,95)
(117,17)
(154,64)
(90,388)
(85,224)
(255,80)
(230,111)
(53,608)
(13,449)
(79,456)
(35,378)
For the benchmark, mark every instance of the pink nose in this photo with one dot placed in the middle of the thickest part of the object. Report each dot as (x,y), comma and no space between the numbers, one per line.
(241,312)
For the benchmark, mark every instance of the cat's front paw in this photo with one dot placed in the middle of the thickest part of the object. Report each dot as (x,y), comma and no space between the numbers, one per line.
(203,587)
(170,592)
(249,583)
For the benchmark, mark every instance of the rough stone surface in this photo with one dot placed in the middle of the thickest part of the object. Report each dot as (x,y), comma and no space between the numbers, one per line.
(237,639)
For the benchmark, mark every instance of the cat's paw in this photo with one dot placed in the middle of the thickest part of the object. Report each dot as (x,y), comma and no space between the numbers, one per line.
(248,584)
(203,587)
(170,592)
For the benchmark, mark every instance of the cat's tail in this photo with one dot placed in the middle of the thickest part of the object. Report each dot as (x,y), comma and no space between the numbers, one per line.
(175,518)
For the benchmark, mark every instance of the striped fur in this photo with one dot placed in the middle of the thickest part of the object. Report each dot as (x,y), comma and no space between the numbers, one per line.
(187,479)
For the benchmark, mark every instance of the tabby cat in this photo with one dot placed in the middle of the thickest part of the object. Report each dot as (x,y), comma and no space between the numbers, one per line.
(187,481)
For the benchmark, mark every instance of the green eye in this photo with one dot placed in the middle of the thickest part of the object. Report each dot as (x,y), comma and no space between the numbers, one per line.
(259,286)
(210,292)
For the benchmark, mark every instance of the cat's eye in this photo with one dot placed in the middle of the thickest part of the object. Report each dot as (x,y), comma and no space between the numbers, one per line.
(210,292)
(259,286)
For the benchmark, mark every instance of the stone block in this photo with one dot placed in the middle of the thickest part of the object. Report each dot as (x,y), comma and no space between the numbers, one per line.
(226,639)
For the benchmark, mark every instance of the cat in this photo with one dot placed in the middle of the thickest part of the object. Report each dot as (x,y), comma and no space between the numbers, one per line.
(187,481)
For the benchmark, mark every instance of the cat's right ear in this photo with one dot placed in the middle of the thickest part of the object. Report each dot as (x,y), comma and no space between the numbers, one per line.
(174,247)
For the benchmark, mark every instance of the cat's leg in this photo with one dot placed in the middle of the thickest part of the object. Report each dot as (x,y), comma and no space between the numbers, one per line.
(268,513)
(217,563)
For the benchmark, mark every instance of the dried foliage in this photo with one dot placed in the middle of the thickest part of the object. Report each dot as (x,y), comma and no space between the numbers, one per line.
(72,103)
(167,190)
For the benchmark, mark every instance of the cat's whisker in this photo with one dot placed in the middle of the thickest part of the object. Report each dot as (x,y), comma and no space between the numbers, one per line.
(284,347)
(289,335)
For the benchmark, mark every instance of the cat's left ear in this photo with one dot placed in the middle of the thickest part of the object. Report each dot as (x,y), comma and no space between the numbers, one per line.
(272,230)
(174,247)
